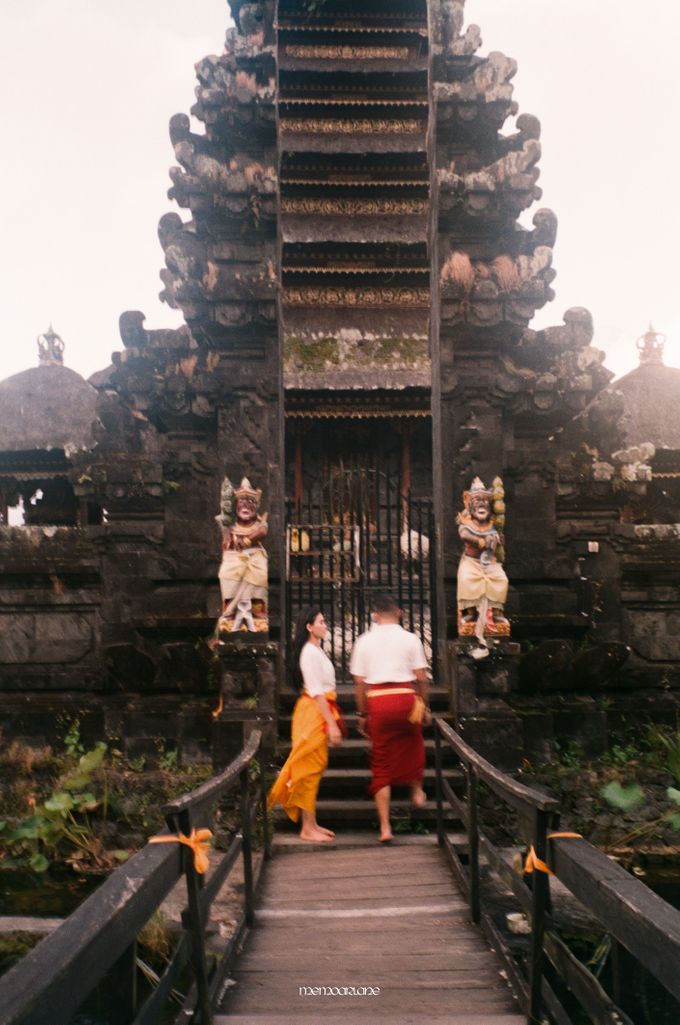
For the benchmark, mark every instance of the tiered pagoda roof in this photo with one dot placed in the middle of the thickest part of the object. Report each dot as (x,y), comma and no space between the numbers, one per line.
(355,197)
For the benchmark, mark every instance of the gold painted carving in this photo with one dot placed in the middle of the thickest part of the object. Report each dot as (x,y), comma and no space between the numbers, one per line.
(359,298)
(350,207)
(348,52)
(363,126)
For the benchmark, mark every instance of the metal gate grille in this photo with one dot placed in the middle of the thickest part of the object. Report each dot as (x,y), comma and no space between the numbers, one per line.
(361,534)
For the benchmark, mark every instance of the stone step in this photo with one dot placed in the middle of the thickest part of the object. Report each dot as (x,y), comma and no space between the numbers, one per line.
(343,813)
(355,752)
(351,720)
(439,698)
(346,783)
(288,843)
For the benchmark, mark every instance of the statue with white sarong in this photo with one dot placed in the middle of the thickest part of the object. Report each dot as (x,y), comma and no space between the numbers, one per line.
(482,583)
(243,571)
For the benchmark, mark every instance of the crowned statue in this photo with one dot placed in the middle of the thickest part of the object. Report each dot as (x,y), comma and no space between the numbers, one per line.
(243,571)
(482,583)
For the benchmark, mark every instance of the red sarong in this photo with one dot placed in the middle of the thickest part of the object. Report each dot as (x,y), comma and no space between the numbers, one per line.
(397,747)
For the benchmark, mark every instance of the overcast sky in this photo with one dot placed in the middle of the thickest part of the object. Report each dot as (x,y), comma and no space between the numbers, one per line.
(88,88)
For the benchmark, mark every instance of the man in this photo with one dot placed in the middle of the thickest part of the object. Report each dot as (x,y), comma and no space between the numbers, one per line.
(390,675)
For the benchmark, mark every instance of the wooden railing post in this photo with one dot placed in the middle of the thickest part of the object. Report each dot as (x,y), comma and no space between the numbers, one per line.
(438,784)
(473,844)
(196,924)
(247,848)
(540,898)
(120,988)
(266,838)
(625,974)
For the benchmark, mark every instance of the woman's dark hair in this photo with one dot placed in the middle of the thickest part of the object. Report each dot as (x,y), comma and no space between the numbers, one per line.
(305,618)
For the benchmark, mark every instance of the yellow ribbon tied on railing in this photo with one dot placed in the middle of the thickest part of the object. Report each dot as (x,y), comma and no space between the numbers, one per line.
(534,863)
(199,842)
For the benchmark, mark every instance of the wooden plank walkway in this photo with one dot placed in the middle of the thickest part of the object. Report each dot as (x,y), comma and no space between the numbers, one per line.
(360,934)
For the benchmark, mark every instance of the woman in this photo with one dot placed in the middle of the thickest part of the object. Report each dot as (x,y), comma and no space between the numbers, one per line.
(317,722)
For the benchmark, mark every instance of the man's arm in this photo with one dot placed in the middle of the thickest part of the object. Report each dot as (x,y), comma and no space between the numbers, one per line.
(421,683)
(361,702)
(422,690)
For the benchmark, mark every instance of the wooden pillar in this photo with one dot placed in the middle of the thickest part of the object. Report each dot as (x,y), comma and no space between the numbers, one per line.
(406,459)
(298,473)
(439,370)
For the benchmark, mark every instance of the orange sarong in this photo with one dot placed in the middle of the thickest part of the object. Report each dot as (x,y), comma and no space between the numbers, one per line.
(297,784)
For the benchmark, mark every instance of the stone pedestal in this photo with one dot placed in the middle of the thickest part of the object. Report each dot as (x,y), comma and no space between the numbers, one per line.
(250,671)
(481,692)
(231,730)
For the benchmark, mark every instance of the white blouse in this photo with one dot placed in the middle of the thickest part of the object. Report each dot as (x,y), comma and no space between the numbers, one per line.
(318,674)
(387,654)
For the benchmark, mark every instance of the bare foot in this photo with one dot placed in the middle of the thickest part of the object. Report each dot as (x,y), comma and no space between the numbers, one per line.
(418,797)
(315,836)
(386,836)
(328,832)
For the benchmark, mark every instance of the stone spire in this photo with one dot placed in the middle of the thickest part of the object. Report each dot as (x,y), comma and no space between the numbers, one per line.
(50,349)
(650,346)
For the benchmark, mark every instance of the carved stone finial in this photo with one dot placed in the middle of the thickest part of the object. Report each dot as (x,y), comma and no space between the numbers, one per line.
(650,346)
(50,349)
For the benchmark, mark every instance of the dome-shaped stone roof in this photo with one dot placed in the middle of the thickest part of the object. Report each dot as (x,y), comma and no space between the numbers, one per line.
(651,396)
(48,406)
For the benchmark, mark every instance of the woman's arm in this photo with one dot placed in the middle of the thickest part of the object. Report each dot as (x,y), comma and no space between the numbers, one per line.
(334,734)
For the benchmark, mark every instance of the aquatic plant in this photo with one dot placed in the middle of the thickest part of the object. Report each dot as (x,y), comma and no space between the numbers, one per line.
(62,821)
(665,745)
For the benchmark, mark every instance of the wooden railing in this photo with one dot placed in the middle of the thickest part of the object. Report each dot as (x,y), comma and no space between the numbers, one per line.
(642,927)
(100,938)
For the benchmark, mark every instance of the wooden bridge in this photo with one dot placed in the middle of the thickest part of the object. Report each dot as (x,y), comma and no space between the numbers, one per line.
(360,933)
(354,932)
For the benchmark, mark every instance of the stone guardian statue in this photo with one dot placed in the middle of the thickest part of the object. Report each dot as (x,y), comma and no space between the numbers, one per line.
(243,572)
(482,584)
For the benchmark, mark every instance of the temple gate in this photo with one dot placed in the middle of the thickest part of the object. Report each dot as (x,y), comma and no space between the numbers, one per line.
(357,290)
(361,530)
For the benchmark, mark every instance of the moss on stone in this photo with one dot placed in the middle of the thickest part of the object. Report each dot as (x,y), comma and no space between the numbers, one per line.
(312,353)
(14,946)
(408,350)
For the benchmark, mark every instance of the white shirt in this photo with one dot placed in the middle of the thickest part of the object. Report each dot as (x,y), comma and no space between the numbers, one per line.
(387,654)
(318,674)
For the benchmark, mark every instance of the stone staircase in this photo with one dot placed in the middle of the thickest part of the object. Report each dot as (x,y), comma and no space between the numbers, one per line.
(344,802)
